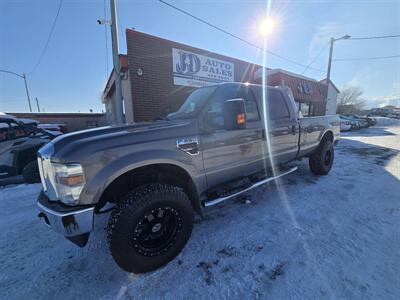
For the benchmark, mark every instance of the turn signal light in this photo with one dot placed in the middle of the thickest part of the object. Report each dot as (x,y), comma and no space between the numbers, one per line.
(72,180)
(240,119)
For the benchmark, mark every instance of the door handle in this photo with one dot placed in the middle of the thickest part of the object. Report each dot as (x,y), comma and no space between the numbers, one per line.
(294,129)
(263,135)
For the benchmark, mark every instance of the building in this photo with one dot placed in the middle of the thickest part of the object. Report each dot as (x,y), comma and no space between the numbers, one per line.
(108,97)
(73,121)
(158,75)
(306,91)
(333,92)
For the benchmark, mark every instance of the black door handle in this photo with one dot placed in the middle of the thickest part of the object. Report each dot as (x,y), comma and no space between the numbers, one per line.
(263,135)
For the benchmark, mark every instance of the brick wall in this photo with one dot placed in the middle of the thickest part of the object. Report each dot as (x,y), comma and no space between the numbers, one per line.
(153,92)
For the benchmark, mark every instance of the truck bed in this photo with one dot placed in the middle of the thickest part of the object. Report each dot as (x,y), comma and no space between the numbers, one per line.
(313,128)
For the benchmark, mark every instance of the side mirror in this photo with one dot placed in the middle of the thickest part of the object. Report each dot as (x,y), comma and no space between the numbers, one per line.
(234,114)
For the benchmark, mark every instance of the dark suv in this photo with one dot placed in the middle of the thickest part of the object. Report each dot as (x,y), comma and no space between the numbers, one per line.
(18,146)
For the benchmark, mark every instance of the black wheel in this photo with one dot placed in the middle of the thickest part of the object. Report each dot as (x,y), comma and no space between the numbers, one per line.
(31,172)
(150,227)
(321,161)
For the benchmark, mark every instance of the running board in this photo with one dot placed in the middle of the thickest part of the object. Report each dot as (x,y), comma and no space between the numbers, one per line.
(219,200)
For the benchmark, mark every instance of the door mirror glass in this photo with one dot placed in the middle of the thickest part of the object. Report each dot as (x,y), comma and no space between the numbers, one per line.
(234,114)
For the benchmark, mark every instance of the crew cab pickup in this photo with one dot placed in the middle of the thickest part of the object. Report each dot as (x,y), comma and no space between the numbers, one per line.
(224,140)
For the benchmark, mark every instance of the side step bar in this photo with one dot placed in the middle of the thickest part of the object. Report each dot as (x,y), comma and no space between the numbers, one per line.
(219,200)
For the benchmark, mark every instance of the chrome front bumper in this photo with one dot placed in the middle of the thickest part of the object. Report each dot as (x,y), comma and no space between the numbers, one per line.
(74,224)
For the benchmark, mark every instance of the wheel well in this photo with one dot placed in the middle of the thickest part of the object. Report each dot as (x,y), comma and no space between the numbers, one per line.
(327,136)
(162,173)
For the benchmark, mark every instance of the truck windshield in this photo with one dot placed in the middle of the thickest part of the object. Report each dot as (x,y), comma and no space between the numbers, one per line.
(193,103)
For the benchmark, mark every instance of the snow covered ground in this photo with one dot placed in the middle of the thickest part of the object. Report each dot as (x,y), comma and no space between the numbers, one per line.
(305,237)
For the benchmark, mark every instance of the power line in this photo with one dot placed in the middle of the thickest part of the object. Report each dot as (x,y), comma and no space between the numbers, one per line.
(236,36)
(367,58)
(375,37)
(48,39)
(315,58)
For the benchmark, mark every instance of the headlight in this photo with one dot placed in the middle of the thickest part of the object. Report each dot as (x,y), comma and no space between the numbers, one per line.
(69,181)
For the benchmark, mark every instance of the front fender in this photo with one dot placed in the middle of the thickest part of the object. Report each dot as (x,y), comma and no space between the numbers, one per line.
(96,185)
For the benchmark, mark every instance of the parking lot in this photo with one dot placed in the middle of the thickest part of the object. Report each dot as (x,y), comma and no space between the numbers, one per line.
(304,237)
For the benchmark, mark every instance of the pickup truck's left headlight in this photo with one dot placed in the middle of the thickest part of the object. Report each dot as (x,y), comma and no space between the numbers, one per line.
(69,182)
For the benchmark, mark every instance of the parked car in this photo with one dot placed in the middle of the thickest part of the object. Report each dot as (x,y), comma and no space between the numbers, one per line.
(355,124)
(385,112)
(157,174)
(363,122)
(371,121)
(345,125)
(57,127)
(19,143)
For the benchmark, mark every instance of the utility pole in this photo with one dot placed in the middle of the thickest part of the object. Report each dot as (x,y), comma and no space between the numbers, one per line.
(23,76)
(328,74)
(37,103)
(27,93)
(117,68)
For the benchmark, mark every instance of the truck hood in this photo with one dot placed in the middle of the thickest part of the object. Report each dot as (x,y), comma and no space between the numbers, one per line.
(89,141)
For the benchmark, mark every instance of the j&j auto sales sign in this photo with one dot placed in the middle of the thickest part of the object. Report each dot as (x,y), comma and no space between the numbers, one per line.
(196,70)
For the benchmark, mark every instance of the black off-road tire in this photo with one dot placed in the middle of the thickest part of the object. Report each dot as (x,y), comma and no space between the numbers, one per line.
(30,173)
(133,211)
(321,160)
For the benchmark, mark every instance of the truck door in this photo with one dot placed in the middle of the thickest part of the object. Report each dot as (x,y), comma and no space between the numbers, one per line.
(231,154)
(283,131)
(282,127)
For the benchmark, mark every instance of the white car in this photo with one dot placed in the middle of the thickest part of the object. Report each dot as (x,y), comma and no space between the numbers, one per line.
(345,125)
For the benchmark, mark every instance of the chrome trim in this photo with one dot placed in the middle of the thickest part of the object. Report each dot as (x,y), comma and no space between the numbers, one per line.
(70,223)
(192,151)
(219,200)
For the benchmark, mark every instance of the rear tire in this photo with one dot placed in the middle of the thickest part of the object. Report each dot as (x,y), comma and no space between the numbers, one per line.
(30,173)
(150,227)
(321,161)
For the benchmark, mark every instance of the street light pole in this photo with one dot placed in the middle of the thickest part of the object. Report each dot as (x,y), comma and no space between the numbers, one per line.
(27,92)
(37,104)
(328,74)
(117,68)
(23,76)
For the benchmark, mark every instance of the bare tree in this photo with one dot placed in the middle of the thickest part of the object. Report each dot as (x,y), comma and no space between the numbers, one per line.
(350,100)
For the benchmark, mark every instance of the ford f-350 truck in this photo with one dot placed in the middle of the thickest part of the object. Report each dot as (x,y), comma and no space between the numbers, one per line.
(225,140)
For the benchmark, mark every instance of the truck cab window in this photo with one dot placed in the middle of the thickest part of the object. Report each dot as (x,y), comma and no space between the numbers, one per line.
(277,106)
(215,113)
(252,113)
(193,104)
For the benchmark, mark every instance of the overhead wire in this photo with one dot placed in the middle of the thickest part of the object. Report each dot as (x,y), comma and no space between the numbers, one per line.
(48,39)
(236,36)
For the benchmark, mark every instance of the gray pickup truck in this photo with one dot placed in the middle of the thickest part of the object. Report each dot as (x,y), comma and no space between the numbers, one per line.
(225,140)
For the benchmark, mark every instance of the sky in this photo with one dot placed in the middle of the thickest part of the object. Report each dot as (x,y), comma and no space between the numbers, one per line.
(73,70)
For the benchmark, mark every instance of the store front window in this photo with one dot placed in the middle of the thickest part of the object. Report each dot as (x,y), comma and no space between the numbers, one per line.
(306,108)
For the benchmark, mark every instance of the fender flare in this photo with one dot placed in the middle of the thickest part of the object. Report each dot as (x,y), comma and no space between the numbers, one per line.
(96,186)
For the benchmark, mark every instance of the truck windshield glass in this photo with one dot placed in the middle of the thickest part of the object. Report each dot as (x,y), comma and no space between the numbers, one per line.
(193,103)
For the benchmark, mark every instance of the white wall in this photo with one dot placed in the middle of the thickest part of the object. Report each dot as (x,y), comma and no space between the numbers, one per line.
(332,101)
(109,102)
(127,95)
